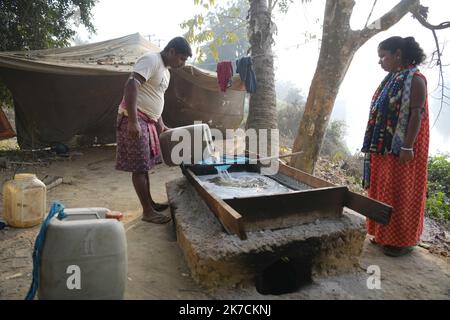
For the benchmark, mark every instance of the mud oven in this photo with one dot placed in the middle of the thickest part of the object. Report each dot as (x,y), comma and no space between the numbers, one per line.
(277,241)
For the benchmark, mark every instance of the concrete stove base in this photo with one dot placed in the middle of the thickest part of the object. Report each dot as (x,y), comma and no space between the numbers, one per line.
(267,258)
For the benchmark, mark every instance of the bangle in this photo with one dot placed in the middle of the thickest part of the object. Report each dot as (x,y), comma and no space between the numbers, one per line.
(407,149)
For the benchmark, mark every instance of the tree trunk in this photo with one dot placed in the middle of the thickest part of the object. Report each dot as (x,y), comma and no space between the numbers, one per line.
(335,56)
(339,45)
(262,110)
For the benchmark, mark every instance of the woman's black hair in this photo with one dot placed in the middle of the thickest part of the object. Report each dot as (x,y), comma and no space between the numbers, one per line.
(412,53)
(180,45)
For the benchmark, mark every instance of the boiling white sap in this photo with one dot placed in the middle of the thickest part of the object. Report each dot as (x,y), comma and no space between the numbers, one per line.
(241,185)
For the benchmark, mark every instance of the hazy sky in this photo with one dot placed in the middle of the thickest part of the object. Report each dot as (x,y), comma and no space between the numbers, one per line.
(296,58)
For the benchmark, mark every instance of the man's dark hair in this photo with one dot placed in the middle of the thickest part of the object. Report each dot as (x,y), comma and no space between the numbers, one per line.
(412,53)
(180,45)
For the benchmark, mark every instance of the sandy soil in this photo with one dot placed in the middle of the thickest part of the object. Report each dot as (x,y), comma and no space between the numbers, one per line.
(157,269)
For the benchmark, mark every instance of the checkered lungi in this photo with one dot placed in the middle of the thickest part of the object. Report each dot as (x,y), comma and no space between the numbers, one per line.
(137,154)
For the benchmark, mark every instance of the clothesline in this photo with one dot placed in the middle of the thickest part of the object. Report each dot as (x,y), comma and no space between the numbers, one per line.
(213,64)
(259,55)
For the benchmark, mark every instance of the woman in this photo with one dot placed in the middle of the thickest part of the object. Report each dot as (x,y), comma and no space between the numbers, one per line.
(396,146)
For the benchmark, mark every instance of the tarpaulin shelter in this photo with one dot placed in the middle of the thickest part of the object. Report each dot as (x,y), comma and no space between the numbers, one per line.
(72,92)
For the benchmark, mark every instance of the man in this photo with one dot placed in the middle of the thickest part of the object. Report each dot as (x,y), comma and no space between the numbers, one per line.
(139,121)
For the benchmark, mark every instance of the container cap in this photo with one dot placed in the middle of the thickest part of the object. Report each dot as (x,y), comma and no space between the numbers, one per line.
(114,215)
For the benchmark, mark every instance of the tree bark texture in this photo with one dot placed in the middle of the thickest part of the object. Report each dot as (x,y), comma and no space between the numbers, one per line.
(262,108)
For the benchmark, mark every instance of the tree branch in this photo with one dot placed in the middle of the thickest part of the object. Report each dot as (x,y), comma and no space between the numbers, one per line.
(231,17)
(272,5)
(387,20)
(420,14)
(371,12)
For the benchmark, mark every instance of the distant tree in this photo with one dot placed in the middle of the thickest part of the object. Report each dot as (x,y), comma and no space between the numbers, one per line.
(260,31)
(290,108)
(283,88)
(334,141)
(222,34)
(30,25)
(295,96)
(338,47)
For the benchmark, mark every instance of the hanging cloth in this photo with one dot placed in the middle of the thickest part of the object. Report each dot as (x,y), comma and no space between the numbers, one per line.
(224,74)
(244,67)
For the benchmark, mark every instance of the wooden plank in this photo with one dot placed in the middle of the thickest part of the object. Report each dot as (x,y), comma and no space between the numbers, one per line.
(301,206)
(304,177)
(373,209)
(228,217)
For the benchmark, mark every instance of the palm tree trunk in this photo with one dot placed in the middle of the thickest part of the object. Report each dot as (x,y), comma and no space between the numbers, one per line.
(262,108)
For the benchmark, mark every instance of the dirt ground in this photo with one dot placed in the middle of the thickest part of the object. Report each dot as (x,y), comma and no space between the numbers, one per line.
(156,266)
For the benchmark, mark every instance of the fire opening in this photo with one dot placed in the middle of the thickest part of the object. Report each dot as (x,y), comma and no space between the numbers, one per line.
(285,275)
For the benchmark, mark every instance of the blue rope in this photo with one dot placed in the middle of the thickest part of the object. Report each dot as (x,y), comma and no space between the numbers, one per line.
(56,208)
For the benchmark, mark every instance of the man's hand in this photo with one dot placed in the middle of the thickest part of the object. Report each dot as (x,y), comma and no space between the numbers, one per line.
(161,126)
(134,129)
(164,128)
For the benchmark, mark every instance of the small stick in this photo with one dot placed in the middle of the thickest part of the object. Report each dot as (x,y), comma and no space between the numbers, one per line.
(280,157)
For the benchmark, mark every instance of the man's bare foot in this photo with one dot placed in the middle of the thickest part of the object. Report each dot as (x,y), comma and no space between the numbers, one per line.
(157,218)
(159,206)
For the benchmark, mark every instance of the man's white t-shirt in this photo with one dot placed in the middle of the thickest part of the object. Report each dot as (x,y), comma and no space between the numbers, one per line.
(150,98)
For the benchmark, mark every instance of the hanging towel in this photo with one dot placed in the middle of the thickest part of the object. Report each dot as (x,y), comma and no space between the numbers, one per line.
(224,74)
(244,67)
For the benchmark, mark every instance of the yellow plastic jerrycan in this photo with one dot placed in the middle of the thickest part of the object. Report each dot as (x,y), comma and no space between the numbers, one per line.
(24,200)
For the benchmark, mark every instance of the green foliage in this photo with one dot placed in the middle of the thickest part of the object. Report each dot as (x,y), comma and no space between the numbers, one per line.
(9,144)
(221,34)
(5,96)
(289,118)
(205,4)
(291,105)
(283,5)
(438,206)
(29,25)
(438,189)
(439,174)
(334,141)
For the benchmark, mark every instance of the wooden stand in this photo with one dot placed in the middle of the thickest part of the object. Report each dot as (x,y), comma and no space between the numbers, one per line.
(322,200)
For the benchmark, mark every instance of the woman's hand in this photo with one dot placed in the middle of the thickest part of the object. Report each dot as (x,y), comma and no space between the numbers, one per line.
(406,156)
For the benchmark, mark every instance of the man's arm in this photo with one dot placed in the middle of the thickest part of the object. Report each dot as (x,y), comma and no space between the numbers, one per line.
(162,126)
(130,95)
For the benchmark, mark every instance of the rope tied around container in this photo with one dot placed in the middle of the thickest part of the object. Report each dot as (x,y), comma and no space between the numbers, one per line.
(56,209)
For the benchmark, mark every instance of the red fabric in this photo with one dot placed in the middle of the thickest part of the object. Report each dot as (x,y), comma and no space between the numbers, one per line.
(134,154)
(153,132)
(224,74)
(403,186)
